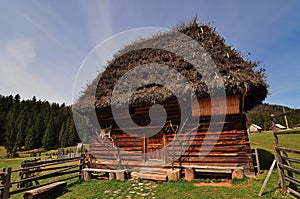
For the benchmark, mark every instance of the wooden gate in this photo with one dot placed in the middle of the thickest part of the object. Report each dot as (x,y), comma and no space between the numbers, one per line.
(155,148)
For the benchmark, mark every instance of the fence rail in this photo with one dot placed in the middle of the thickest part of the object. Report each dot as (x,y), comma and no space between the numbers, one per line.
(37,171)
(288,167)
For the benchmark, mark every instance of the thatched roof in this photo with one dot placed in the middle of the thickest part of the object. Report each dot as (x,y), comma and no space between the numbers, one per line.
(238,75)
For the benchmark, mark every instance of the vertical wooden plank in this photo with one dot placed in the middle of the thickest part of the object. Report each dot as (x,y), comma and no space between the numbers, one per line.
(144,148)
(257,160)
(164,148)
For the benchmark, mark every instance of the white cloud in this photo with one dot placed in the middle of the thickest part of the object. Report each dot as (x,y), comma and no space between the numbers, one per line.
(16,59)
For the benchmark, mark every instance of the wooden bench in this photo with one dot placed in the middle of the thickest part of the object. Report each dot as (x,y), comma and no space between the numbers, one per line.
(48,191)
(235,171)
(113,174)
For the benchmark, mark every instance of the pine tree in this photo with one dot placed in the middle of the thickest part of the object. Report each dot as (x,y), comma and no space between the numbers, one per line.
(72,134)
(48,140)
(39,127)
(30,140)
(20,137)
(2,129)
(10,135)
(63,137)
(23,123)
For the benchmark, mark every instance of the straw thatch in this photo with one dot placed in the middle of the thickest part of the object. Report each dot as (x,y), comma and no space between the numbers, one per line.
(238,75)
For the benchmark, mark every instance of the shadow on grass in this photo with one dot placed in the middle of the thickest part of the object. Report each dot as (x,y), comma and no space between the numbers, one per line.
(265,159)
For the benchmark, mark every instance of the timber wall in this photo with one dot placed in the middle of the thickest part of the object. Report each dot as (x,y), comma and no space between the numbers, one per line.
(230,147)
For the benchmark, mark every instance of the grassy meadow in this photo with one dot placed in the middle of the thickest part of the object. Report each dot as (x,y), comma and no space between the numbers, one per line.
(247,188)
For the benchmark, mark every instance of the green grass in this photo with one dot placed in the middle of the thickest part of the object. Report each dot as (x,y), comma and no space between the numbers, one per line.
(247,188)
(15,163)
(266,141)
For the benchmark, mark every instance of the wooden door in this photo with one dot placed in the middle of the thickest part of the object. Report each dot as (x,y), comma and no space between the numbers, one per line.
(155,148)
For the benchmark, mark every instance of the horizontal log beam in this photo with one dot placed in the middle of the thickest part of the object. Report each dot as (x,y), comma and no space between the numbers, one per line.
(40,185)
(292,191)
(297,171)
(151,176)
(288,150)
(45,191)
(291,159)
(49,162)
(292,180)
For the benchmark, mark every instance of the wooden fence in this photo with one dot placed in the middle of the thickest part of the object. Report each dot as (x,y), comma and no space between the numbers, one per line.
(288,163)
(34,174)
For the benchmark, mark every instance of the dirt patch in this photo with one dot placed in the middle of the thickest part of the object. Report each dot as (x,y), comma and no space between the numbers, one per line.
(214,184)
(256,143)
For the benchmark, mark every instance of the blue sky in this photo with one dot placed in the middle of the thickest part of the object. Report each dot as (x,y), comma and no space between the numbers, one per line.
(43,43)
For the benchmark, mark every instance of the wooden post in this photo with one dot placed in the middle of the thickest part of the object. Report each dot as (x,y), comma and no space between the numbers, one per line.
(111,176)
(278,157)
(189,174)
(257,160)
(120,175)
(280,171)
(6,183)
(285,119)
(2,182)
(81,166)
(237,174)
(86,175)
(173,175)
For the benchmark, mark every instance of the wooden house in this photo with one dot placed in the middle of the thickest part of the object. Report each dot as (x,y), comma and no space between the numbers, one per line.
(253,128)
(244,85)
(278,127)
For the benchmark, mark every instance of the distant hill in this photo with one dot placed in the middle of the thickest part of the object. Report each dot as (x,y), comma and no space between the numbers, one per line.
(260,115)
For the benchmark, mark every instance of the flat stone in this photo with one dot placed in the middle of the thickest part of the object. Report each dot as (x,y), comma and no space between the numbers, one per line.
(107,191)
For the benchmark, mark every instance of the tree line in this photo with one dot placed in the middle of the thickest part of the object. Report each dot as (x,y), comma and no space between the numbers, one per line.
(31,124)
(260,115)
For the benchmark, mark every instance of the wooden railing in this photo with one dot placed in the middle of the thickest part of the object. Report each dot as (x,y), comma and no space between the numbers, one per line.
(288,165)
(41,173)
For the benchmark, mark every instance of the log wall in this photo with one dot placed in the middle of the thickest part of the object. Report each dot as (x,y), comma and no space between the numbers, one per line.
(230,147)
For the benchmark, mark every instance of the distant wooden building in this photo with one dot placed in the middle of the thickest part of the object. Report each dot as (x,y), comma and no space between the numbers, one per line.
(278,127)
(254,129)
(244,87)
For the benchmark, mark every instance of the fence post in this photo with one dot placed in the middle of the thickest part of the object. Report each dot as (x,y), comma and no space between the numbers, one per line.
(6,183)
(81,166)
(278,157)
(2,182)
(280,170)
